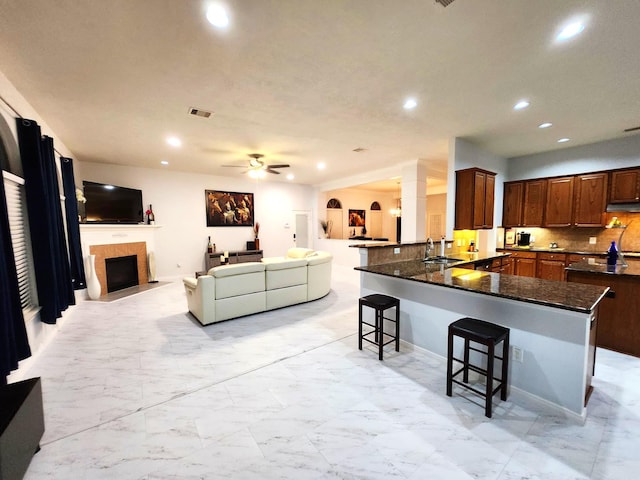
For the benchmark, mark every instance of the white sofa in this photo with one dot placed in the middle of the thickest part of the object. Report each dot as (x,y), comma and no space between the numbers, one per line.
(230,291)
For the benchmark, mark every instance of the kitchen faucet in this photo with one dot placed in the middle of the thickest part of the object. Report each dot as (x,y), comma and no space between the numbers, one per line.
(429,248)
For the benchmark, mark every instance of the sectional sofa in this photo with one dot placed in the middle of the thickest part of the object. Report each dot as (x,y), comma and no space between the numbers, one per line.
(231,291)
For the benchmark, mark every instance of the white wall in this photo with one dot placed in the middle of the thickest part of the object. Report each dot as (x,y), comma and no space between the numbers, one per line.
(464,154)
(611,154)
(179,206)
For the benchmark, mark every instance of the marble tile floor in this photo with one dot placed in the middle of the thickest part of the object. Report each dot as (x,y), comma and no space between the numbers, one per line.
(137,389)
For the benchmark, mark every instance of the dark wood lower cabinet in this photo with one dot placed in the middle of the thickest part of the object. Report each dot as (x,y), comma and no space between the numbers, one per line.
(618,321)
(524,263)
(551,266)
(242,256)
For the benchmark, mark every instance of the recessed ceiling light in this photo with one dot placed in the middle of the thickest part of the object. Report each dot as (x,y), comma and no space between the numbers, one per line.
(562,140)
(174,141)
(322,166)
(570,30)
(164,162)
(290,176)
(521,104)
(545,125)
(410,104)
(217,16)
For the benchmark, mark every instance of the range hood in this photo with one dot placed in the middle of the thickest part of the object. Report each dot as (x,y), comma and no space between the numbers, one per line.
(624,207)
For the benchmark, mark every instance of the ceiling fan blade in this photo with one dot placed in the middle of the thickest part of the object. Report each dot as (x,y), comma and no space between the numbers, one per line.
(283,165)
(234,166)
(272,171)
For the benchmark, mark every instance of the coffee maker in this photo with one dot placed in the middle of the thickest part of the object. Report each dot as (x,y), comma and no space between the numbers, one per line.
(523,239)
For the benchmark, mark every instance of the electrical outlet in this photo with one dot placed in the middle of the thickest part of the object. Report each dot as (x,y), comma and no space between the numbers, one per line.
(517,354)
(593,240)
(396,250)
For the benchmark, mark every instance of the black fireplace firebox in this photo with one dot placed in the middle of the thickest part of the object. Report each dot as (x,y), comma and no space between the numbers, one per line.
(122,272)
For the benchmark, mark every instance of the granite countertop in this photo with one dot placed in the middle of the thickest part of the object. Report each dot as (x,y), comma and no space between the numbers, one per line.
(633,270)
(382,244)
(566,295)
(474,257)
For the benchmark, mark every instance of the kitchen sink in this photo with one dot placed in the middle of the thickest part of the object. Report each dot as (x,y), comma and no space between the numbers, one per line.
(442,260)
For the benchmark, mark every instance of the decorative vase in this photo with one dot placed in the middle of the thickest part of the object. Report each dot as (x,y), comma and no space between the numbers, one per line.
(151,266)
(257,243)
(93,284)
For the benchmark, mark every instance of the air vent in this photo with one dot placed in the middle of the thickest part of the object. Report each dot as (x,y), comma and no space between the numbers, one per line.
(444,3)
(632,129)
(199,112)
(359,150)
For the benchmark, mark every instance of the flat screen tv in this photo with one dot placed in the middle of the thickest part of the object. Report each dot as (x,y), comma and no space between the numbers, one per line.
(112,204)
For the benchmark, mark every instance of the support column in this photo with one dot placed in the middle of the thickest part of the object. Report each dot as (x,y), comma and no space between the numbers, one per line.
(414,202)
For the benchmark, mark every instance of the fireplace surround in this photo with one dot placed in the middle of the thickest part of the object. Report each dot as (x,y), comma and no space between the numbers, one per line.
(116,250)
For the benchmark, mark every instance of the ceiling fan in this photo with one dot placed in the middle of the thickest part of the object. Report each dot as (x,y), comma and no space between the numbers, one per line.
(256,165)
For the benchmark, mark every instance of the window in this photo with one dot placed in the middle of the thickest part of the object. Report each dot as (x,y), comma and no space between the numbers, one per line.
(334,203)
(19,225)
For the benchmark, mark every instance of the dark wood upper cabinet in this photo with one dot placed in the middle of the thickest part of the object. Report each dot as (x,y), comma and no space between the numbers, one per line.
(590,200)
(489,200)
(474,199)
(625,186)
(512,204)
(535,197)
(559,205)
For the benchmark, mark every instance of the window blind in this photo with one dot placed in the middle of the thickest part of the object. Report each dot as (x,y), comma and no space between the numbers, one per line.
(16,207)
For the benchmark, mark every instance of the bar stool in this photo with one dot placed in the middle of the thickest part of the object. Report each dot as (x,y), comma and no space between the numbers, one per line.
(484,333)
(380,303)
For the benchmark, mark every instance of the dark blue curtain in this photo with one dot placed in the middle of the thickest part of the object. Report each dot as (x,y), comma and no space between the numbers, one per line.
(73,226)
(51,261)
(14,345)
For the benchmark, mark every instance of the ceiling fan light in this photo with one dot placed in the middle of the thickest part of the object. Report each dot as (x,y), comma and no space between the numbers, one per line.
(257,173)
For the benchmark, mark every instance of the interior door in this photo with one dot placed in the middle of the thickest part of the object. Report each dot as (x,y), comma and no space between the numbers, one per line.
(303,227)
(375,224)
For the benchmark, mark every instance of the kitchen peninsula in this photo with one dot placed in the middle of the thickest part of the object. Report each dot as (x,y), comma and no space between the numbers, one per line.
(553,323)
(618,322)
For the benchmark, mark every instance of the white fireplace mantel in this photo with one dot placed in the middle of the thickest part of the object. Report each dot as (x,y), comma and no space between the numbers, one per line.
(106,234)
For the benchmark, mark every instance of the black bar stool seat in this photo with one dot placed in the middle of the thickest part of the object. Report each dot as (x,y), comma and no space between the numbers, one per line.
(380,303)
(489,335)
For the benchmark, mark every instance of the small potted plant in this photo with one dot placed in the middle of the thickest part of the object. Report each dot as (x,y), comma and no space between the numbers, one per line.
(326,228)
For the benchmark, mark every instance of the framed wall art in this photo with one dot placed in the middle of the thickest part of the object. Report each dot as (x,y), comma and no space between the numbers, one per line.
(229,209)
(356,218)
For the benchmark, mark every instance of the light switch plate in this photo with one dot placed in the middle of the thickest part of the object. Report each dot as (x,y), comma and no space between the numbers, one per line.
(593,240)
(396,250)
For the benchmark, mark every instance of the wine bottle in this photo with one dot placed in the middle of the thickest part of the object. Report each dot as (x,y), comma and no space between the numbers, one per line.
(209,246)
(151,216)
(612,255)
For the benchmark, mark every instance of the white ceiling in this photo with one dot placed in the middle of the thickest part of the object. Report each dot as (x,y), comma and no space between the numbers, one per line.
(304,81)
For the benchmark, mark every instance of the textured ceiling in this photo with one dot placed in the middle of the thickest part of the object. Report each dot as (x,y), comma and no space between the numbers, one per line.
(304,81)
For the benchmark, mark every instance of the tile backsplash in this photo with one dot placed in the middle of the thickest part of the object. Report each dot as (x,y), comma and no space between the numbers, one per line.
(577,238)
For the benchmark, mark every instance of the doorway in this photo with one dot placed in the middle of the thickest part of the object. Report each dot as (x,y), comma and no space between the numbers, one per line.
(302,223)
